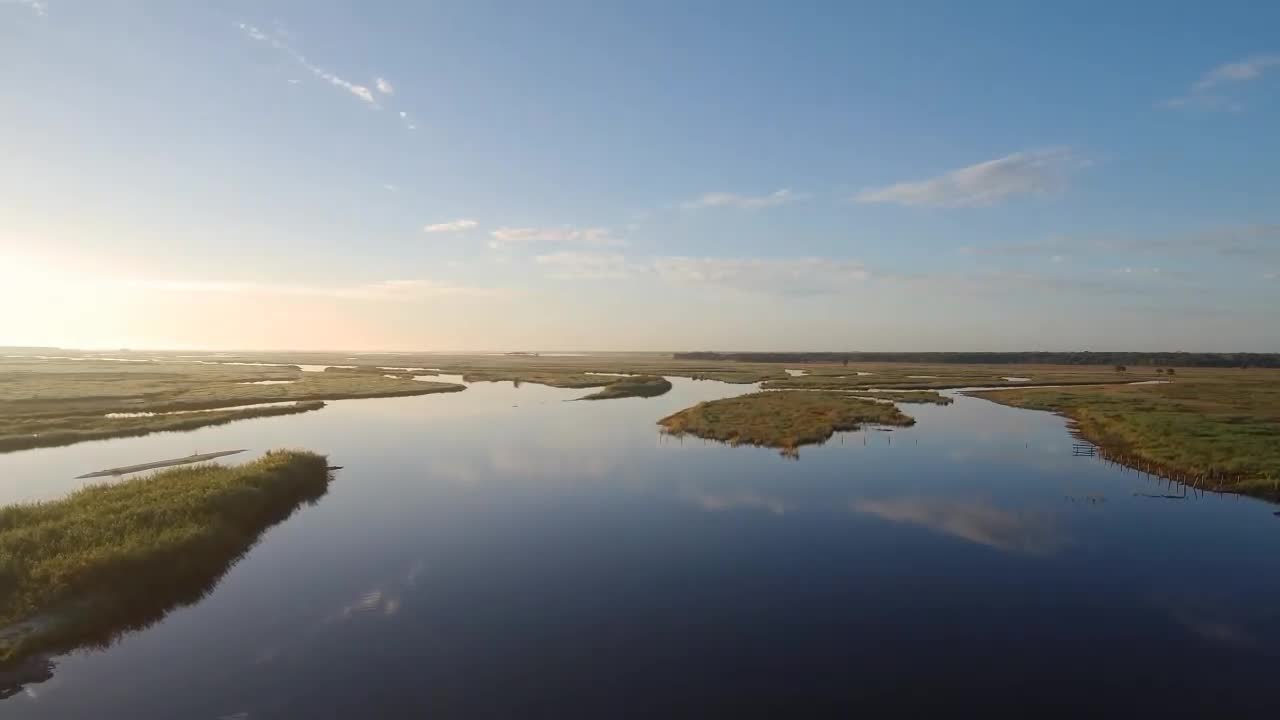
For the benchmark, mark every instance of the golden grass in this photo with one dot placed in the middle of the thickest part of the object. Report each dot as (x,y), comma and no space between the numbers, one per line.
(784,420)
(58,402)
(636,386)
(117,556)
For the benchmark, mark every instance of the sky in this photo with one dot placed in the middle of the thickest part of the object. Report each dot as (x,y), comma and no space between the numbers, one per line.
(653,175)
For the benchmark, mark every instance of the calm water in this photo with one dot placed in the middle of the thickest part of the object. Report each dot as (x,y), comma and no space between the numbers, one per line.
(501,553)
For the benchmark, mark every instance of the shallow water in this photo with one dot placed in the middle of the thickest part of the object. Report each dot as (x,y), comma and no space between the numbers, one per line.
(500,552)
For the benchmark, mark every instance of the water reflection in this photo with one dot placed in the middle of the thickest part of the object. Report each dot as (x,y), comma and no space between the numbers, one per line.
(128,605)
(31,671)
(567,553)
(977,522)
(742,500)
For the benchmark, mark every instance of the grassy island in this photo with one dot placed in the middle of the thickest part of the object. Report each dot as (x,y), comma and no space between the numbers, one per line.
(638,386)
(113,557)
(784,420)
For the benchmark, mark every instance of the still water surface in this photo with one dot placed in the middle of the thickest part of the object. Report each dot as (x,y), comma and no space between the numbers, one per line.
(502,553)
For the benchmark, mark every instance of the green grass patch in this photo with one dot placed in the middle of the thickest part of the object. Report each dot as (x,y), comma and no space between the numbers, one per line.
(1219,432)
(113,557)
(784,420)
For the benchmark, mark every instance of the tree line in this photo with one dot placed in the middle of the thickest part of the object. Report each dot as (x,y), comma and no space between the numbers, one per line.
(1129,359)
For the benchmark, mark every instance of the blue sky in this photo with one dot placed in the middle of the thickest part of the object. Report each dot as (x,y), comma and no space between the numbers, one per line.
(596,175)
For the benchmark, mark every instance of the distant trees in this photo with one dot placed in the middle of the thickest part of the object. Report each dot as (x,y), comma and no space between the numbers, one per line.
(1159,371)
(1169,371)
(1136,359)
(1121,368)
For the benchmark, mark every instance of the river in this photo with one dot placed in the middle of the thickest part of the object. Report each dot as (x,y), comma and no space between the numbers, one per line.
(502,553)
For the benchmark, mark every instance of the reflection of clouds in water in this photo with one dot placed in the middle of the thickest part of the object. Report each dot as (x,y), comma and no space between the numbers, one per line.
(747,500)
(539,464)
(977,522)
(1218,631)
(383,599)
(413,573)
(1050,458)
(1216,619)
(519,463)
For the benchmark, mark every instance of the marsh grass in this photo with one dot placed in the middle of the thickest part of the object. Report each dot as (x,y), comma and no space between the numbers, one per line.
(942,377)
(113,557)
(1216,431)
(638,386)
(33,432)
(566,379)
(46,403)
(781,419)
(919,397)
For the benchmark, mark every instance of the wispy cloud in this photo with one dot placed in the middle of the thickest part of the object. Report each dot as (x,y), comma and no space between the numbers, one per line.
(1270,276)
(768,276)
(408,122)
(987,183)
(384,86)
(571,265)
(981,523)
(787,276)
(37,6)
(1245,242)
(563,235)
(1206,93)
(1140,271)
(451,226)
(402,290)
(741,202)
(360,91)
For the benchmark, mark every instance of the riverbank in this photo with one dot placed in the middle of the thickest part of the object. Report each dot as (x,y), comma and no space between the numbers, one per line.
(1211,432)
(118,556)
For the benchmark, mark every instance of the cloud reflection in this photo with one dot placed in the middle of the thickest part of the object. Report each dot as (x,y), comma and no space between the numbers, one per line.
(977,522)
(747,500)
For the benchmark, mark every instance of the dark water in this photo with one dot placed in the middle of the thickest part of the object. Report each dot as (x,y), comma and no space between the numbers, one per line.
(501,553)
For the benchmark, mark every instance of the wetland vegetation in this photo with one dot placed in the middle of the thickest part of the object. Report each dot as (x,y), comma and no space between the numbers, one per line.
(117,556)
(919,397)
(1149,359)
(58,402)
(50,431)
(638,386)
(1201,419)
(783,420)
(1218,430)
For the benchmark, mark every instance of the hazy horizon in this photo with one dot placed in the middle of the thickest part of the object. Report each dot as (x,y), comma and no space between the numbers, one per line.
(815,177)
(598,351)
